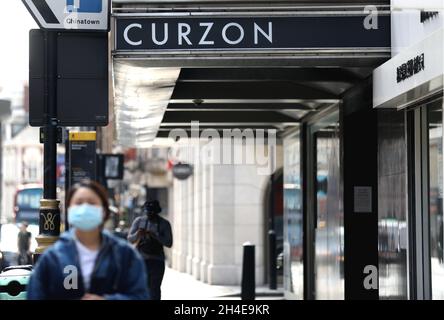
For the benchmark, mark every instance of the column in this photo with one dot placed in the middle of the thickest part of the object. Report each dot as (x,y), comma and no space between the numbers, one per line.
(206,211)
(249,193)
(197,226)
(222,269)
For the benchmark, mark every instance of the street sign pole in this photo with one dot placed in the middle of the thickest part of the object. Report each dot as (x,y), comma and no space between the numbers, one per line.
(49,222)
(77,75)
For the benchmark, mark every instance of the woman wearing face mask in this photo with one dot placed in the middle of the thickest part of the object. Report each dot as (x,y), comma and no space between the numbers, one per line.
(87,262)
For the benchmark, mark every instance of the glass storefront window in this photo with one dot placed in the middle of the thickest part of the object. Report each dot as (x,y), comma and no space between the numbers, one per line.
(435,132)
(392,200)
(293,222)
(329,234)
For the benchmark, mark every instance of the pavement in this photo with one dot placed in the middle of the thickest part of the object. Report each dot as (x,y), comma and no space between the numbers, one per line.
(181,286)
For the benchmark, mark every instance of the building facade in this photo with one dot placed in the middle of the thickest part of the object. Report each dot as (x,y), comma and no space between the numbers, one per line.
(22,164)
(358,111)
(410,155)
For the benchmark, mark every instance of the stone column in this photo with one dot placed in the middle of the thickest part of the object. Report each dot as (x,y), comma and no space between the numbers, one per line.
(249,193)
(206,211)
(190,221)
(197,226)
(222,270)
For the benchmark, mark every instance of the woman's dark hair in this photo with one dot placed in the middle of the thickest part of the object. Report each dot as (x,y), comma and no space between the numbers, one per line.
(95,187)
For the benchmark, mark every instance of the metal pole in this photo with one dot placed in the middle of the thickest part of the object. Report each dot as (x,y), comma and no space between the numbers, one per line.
(1,171)
(271,213)
(272,272)
(272,267)
(49,221)
(67,176)
(248,291)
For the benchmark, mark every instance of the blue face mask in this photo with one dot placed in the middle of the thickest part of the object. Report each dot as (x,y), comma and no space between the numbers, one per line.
(85,217)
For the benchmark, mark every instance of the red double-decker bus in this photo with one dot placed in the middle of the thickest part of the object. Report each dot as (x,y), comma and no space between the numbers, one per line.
(27,203)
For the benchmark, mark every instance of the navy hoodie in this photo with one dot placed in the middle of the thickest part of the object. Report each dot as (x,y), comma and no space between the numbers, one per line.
(119,272)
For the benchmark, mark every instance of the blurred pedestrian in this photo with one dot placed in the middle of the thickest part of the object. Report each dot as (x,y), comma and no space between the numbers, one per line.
(87,262)
(24,244)
(150,233)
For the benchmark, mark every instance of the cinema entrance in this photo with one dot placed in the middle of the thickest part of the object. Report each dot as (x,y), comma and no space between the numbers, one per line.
(302,75)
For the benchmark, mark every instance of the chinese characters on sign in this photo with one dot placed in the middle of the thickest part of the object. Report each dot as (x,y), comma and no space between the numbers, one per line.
(428,15)
(410,68)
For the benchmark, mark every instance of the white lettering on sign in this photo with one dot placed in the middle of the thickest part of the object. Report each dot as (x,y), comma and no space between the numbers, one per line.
(203,40)
(268,36)
(183,35)
(225,29)
(231,33)
(127,30)
(165,34)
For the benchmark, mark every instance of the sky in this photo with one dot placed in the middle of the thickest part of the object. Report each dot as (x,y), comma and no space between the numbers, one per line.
(15,23)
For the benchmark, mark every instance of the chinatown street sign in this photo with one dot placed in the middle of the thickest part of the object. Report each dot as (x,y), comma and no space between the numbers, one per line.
(85,15)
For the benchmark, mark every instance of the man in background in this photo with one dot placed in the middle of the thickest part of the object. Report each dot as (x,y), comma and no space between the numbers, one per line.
(24,244)
(151,233)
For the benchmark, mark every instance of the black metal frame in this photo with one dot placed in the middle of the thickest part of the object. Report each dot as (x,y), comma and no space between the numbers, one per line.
(309,187)
(419,277)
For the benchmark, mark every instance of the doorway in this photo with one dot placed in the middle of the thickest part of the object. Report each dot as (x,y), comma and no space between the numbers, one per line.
(325,242)
(274,215)
(426,205)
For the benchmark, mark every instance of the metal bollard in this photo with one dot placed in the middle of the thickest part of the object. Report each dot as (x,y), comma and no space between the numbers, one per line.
(248,272)
(272,261)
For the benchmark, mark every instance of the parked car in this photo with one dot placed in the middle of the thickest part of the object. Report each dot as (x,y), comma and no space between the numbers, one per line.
(13,282)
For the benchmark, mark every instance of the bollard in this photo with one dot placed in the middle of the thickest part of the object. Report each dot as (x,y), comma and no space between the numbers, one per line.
(272,270)
(248,272)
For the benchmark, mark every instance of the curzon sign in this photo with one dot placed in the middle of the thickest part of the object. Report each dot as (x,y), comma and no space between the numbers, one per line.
(224,33)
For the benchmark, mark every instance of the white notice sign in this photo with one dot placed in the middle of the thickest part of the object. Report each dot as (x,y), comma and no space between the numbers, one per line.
(363,200)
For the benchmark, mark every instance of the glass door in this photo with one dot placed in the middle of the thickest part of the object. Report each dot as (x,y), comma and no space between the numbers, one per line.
(327,208)
(426,205)
(293,219)
(435,212)
(393,219)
